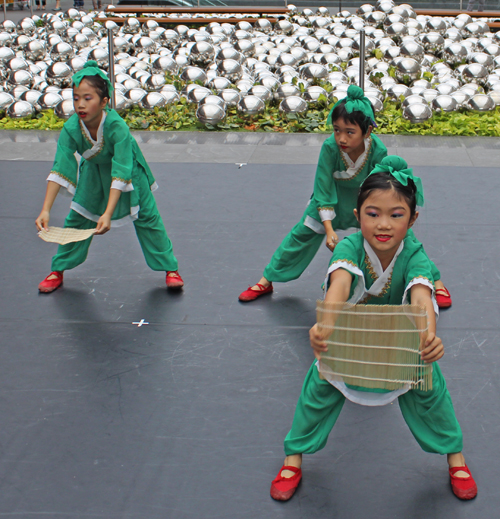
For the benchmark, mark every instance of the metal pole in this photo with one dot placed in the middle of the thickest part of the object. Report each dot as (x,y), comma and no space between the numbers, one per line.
(460,5)
(340,6)
(111,73)
(4,10)
(31,7)
(362,59)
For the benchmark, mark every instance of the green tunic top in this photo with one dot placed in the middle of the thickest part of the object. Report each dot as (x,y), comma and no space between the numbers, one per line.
(114,160)
(337,181)
(411,266)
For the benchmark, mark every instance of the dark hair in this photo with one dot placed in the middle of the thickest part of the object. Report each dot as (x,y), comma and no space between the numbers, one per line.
(384,181)
(355,117)
(99,84)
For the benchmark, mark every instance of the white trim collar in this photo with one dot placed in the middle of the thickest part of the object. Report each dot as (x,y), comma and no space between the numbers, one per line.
(97,144)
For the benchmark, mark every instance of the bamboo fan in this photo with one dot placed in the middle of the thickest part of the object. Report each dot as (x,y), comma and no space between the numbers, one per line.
(66,235)
(374,346)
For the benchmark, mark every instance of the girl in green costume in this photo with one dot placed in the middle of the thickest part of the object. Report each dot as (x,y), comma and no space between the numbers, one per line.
(112,184)
(345,161)
(382,264)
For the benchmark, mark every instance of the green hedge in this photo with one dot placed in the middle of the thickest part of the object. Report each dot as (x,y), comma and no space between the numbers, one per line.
(182,116)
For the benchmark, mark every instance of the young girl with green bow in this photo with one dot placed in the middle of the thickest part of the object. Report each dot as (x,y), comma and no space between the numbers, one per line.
(112,185)
(383,264)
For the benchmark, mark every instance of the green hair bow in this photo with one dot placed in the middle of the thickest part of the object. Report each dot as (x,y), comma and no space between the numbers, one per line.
(91,69)
(355,101)
(399,169)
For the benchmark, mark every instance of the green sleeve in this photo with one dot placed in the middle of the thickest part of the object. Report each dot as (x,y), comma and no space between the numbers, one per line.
(65,168)
(122,163)
(419,270)
(325,190)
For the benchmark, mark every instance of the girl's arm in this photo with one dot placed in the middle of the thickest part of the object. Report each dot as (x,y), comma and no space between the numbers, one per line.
(433,348)
(50,195)
(338,292)
(331,236)
(104,222)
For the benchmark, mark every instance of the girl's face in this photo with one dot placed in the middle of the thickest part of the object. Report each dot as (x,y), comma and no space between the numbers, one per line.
(349,137)
(88,104)
(385,218)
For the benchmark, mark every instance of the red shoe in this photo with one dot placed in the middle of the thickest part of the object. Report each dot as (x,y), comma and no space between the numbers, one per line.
(250,294)
(443,298)
(463,488)
(49,285)
(282,489)
(173,279)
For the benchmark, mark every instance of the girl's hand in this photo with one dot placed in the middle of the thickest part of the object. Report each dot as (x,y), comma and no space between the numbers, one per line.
(331,240)
(42,222)
(103,224)
(433,349)
(317,338)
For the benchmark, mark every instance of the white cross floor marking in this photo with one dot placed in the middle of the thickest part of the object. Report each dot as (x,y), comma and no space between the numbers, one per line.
(140,323)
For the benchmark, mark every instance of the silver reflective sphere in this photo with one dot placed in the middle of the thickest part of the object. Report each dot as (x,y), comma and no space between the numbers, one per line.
(152,100)
(474,72)
(196,94)
(230,96)
(432,42)
(313,71)
(61,52)
(193,74)
(251,105)
(5,100)
(417,113)
(64,109)
(31,96)
(230,69)
(202,54)
(396,91)
(293,105)
(135,95)
(219,83)
(261,91)
(414,99)
(212,114)
(481,103)
(21,77)
(408,68)
(444,103)
(100,55)
(166,64)
(20,109)
(59,74)
(49,100)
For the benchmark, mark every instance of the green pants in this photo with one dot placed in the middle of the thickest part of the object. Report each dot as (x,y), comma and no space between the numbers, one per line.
(294,254)
(428,414)
(156,245)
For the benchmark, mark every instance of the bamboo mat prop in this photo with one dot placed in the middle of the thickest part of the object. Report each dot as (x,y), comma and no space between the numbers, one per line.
(374,346)
(65,235)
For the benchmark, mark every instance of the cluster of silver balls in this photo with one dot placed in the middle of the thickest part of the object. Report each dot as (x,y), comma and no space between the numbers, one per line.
(248,65)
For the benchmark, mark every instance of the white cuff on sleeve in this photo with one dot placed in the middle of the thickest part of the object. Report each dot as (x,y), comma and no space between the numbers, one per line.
(122,186)
(70,188)
(326,214)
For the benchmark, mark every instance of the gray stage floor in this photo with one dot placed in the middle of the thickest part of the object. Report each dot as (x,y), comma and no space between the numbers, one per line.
(185,417)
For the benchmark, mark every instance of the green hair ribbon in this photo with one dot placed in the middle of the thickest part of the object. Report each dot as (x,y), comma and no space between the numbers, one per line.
(91,69)
(356,101)
(399,169)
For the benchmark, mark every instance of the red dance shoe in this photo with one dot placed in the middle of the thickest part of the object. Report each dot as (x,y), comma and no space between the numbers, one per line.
(463,488)
(251,294)
(49,285)
(443,298)
(174,280)
(282,489)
